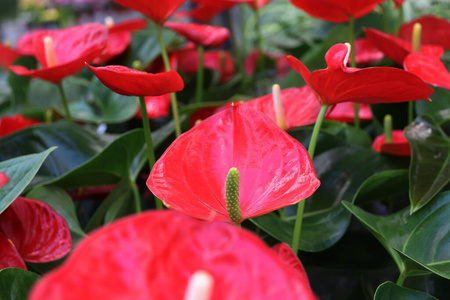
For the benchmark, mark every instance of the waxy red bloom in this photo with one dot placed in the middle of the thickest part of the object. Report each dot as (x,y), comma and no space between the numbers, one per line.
(32,231)
(154,254)
(336,11)
(7,56)
(72,48)
(119,38)
(156,10)
(3,179)
(398,3)
(275,170)
(282,68)
(156,106)
(205,35)
(129,82)
(366,53)
(399,145)
(285,253)
(206,9)
(435,31)
(429,69)
(338,83)
(396,48)
(25,44)
(345,112)
(10,124)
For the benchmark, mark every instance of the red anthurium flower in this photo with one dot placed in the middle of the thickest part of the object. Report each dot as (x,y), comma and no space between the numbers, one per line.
(281,66)
(153,255)
(336,11)
(399,145)
(7,56)
(71,48)
(338,83)
(256,4)
(10,124)
(129,82)
(285,253)
(366,53)
(32,231)
(429,69)
(119,38)
(156,10)
(300,106)
(218,60)
(205,35)
(25,44)
(206,9)
(3,179)
(345,112)
(156,106)
(275,169)
(398,3)
(435,31)
(396,48)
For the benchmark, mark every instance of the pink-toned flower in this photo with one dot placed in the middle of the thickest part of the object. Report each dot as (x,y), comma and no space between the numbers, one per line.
(32,231)
(25,44)
(10,124)
(281,66)
(338,83)
(345,112)
(206,10)
(156,10)
(129,82)
(399,145)
(64,52)
(337,11)
(429,69)
(156,106)
(154,255)
(285,253)
(435,31)
(397,48)
(275,170)
(205,35)
(3,179)
(366,53)
(7,56)
(398,3)
(119,38)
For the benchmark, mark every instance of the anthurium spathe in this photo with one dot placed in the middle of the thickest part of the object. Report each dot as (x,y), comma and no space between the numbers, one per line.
(435,30)
(3,179)
(282,68)
(366,53)
(156,106)
(10,124)
(67,51)
(274,169)
(32,231)
(429,69)
(205,35)
(398,146)
(336,11)
(7,55)
(154,255)
(344,112)
(156,10)
(338,83)
(130,82)
(397,48)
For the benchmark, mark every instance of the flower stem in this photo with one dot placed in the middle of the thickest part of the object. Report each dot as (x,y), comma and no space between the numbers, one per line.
(148,141)
(136,197)
(401,278)
(199,88)
(301,204)
(64,101)
(351,37)
(173,97)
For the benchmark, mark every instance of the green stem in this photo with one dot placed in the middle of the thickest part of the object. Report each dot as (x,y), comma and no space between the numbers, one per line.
(64,101)
(260,63)
(351,36)
(301,204)
(401,278)
(410,112)
(136,197)
(385,17)
(399,20)
(199,88)
(173,97)
(149,142)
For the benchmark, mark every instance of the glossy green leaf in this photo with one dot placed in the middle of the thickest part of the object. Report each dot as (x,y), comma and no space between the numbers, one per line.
(118,204)
(438,108)
(390,290)
(20,171)
(430,160)
(75,145)
(15,283)
(325,220)
(62,203)
(415,241)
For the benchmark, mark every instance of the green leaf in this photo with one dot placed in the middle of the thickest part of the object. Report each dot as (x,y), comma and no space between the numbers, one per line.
(390,290)
(439,108)
(20,84)
(62,203)
(75,145)
(20,171)
(416,242)
(430,160)
(118,204)
(107,167)
(16,283)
